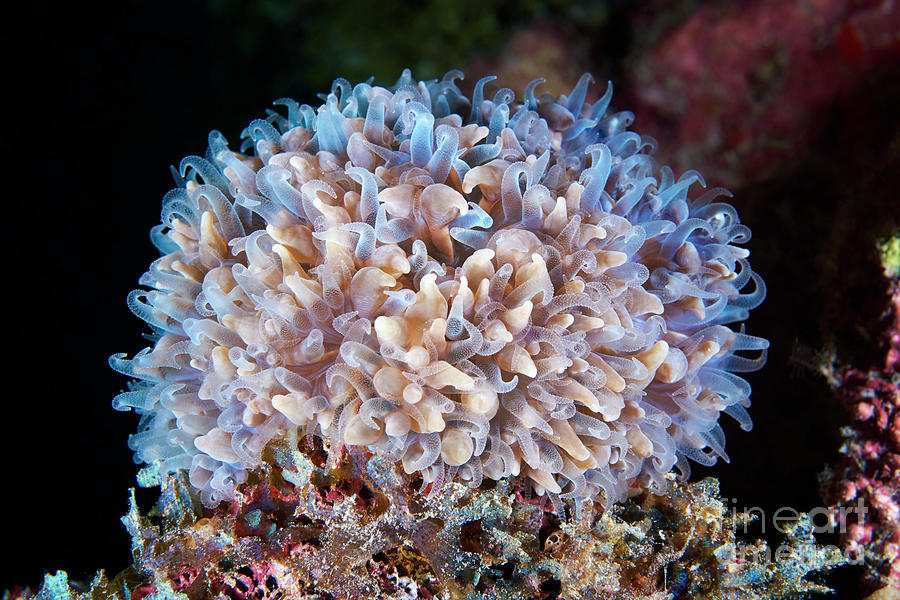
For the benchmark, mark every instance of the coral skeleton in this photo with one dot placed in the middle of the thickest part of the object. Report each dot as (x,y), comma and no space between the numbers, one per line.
(471,288)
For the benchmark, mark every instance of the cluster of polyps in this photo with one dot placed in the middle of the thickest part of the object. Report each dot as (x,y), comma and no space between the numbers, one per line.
(517,291)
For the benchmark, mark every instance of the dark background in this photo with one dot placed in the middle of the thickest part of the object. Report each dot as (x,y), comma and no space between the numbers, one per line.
(105,97)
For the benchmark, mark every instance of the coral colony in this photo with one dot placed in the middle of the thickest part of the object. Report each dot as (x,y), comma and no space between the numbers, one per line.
(471,289)
(413,345)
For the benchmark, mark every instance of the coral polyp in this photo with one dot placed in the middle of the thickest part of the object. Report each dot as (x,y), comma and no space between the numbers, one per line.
(475,289)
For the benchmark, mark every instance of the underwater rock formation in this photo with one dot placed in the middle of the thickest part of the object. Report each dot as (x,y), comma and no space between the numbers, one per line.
(475,289)
(361,529)
(870,470)
(743,88)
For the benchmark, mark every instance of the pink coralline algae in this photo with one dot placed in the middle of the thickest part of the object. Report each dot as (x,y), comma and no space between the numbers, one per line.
(742,87)
(474,289)
(869,473)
